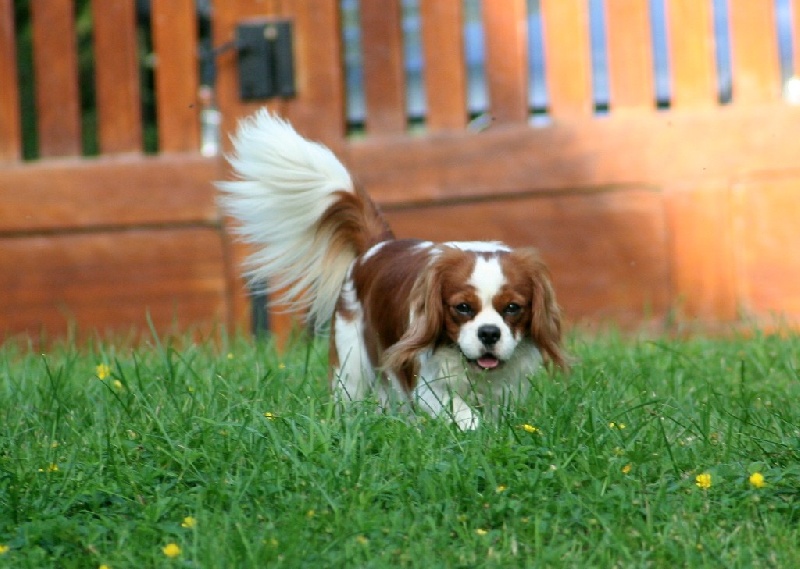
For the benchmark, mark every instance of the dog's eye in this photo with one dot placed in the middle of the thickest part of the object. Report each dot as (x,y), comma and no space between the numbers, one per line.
(463,308)
(512,309)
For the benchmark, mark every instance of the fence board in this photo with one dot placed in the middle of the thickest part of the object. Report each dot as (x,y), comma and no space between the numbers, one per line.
(119,109)
(319,108)
(506,37)
(384,79)
(754,58)
(56,76)
(691,51)
(10,135)
(567,52)
(445,68)
(122,191)
(630,55)
(112,281)
(174,25)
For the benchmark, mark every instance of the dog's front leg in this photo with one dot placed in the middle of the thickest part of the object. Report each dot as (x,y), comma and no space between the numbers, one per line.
(436,401)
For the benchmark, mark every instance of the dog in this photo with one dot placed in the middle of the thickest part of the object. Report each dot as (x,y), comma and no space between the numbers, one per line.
(455,329)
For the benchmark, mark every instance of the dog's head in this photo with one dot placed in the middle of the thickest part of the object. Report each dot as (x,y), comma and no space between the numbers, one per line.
(484,298)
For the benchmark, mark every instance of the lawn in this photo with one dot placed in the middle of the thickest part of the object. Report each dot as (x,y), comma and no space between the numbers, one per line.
(648,454)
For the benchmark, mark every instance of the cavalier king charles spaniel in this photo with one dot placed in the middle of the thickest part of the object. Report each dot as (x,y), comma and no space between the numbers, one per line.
(455,328)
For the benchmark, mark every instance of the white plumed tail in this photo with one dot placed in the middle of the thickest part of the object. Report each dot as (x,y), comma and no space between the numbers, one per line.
(285,185)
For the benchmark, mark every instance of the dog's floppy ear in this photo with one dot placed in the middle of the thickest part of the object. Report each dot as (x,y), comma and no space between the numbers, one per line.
(427,316)
(545,313)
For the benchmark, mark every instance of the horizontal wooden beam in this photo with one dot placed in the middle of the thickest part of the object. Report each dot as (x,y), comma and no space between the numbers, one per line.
(124,191)
(577,154)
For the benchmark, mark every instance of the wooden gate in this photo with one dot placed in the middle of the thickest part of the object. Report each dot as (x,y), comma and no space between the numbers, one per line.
(651,207)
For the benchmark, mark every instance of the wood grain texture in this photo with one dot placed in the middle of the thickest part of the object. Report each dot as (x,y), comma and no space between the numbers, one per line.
(630,55)
(567,50)
(384,75)
(754,57)
(445,71)
(110,192)
(607,252)
(10,133)
(112,282)
(691,51)
(506,38)
(702,251)
(174,28)
(635,148)
(55,68)
(118,92)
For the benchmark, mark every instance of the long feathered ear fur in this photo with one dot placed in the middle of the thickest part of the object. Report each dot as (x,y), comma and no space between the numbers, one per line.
(545,312)
(427,317)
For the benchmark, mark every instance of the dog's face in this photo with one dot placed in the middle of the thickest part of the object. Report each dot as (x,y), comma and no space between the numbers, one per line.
(484,301)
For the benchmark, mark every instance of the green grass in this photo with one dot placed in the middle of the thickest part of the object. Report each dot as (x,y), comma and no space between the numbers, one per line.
(105,471)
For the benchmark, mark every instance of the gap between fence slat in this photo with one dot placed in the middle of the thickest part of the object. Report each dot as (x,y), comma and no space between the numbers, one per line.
(567,50)
(174,24)
(56,75)
(630,55)
(119,112)
(506,32)
(690,28)
(384,77)
(10,134)
(754,57)
(444,66)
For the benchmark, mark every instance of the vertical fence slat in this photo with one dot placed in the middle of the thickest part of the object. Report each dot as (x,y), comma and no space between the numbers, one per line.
(630,55)
(690,27)
(10,135)
(567,51)
(756,68)
(319,112)
(506,33)
(119,113)
(384,80)
(444,68)
(55,64)
(174,24)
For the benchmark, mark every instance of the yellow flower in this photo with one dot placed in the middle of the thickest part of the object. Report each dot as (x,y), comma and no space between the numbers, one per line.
(529,428)
(230,356)
(757,480)
(104,566)
(362,540)
(481,531)
(269,415)
(102,371)
(613,425)
(500,489)
(118,385)
(626,469)
(4,549)
(171,550)
(189,522)
(703,481)
(281,365)
(50,468)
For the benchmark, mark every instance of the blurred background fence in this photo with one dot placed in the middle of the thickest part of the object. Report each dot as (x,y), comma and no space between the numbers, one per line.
(647,148)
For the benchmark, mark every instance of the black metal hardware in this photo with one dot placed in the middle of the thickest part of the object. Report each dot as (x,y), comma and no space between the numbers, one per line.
(266,60)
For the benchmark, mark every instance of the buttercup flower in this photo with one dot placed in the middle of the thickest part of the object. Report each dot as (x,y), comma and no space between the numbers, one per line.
(269,415)
(4,549)
(757,480)
(481,531)
(703,481)
(171,550)
(626,469)
(189,522)
(613,425)
(362,540)
(500,489)
(529,428)
(102,371)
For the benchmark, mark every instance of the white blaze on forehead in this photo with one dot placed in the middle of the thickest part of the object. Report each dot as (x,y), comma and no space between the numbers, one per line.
(487,278)
(480,246)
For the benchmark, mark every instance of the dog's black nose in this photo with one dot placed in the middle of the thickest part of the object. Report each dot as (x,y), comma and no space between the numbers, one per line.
(488,334)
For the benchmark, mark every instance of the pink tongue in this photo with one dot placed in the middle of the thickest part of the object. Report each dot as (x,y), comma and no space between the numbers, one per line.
(488,361)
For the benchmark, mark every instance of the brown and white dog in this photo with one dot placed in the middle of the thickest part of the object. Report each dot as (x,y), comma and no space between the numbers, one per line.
(449,327)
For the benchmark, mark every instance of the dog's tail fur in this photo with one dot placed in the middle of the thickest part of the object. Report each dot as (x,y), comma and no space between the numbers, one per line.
(296,205)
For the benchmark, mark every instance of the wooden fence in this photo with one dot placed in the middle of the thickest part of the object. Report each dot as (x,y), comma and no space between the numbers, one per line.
(654,212)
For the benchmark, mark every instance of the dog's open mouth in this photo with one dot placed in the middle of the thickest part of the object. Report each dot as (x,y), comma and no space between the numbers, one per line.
(487,361)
